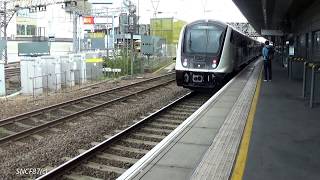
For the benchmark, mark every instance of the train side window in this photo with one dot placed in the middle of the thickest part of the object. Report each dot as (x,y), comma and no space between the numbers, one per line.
(316,39)
(232,37)
(237,39)
(316,44)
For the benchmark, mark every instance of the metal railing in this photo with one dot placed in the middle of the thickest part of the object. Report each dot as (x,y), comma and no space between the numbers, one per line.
(310,76)
(295,63)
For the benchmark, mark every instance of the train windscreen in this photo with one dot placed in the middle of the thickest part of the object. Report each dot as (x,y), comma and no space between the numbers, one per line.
(203,38)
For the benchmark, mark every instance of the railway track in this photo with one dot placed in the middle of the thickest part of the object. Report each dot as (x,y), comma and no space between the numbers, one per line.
(111,158)
(26,124)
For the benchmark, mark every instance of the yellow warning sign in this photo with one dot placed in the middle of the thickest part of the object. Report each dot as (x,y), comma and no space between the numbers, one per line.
(94,60)
(96,35)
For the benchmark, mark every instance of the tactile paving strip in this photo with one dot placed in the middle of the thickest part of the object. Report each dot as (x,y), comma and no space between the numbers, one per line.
(218,161)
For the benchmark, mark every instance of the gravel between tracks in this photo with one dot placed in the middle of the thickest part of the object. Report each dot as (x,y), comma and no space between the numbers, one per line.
(79,133)
(21,104)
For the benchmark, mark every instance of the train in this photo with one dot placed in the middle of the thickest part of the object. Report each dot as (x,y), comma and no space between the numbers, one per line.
(209,51)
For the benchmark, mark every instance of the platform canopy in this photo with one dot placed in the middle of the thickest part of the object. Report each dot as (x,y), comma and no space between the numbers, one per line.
(273,17)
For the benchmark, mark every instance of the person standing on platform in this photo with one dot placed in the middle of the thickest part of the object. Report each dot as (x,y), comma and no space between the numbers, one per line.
(267,52)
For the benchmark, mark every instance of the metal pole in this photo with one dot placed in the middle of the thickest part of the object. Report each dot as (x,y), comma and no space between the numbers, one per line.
(132,53)
(127,59)
(5,32)
(138,16)
(91,76)
(1,34)
(65,79)
(107,34)
(304,79)
(56,76)
(33,93)
(290,67)
(312,86)
(48,84)
(75,33)
(113,37)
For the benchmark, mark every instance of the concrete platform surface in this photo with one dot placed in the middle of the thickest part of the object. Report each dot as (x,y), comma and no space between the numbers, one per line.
(285,140)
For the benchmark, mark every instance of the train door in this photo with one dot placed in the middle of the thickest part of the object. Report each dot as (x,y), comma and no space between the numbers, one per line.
(303,45)
(310,46)
(307,46)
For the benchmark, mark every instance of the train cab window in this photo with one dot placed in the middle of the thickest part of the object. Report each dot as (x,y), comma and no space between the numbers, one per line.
(204,38)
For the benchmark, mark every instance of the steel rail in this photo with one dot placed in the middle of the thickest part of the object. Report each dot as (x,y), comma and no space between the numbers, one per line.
(55,122)
(103,145)
(26,115)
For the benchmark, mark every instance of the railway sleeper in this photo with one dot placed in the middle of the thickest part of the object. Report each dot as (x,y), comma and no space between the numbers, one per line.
(173,117)
(200,101)
(179,113)
(126,153)
(90,104)
(96,101)
(162,125)
(136,145)
(168,121)
(147,135)
(75,176)
(105,168)
(74,108)
(77,107)
(129,149)
(156,130)
(65,111)
(137,141)
(33,121)
(117,158)
(187,107)
(185,110)
(195,105)
(47,115)
(111,162)
(23,125)
(6,132)
(144,138)
(14,128)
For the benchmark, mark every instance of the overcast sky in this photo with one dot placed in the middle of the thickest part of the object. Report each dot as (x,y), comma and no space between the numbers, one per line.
(190,10)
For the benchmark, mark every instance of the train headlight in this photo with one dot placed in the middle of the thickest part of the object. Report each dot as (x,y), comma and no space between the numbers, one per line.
(185,62)
(214,63)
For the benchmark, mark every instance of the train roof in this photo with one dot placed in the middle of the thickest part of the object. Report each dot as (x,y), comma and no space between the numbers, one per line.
(209,20)
(223,24)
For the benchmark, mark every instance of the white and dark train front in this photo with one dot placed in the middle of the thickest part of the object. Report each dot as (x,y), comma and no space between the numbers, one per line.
(199,54)
(198,75)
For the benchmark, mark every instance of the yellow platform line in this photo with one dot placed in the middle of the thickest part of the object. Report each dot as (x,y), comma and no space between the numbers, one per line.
(240,165)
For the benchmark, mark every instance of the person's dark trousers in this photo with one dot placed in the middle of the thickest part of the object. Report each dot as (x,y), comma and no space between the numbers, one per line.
(267,70)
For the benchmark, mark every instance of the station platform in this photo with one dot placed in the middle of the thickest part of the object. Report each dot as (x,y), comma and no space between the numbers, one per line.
(285,139)
(214,143)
